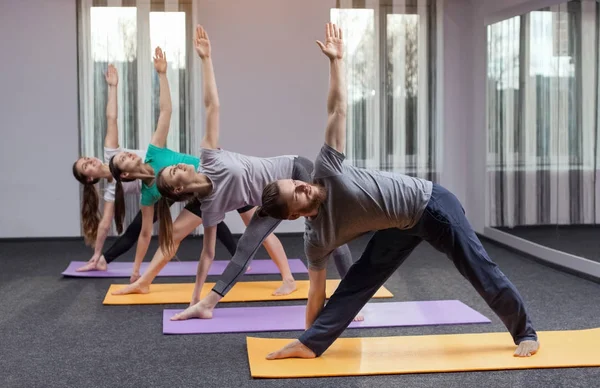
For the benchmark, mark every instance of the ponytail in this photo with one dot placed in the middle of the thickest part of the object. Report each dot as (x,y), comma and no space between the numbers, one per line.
(165,230)
(90,216)
(119,206)
(119,194)
(168,196)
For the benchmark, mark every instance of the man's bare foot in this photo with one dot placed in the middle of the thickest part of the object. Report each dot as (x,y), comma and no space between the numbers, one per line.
(286,288)
(294,349)
(527,348)
(199,310)
(134,288)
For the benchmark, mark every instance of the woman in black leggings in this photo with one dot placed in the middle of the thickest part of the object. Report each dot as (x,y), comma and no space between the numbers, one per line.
(130,236)
(88,171)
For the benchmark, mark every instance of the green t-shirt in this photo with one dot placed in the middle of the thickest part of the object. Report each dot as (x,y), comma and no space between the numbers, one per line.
(158,158)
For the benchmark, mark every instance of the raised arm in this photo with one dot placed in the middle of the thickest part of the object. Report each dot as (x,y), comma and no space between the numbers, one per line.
(111,140)
(335,133)
(159,138)
(209,90)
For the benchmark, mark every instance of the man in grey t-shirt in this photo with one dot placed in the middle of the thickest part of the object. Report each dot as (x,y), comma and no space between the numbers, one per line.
(343,202)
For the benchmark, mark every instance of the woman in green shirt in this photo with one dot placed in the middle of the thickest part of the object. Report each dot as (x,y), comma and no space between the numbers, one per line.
(126,166)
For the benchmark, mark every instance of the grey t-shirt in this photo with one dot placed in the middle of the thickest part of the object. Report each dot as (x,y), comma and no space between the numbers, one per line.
(238,180)
(359,201)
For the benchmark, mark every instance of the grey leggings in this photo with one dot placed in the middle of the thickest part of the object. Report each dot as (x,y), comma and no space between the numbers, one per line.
(260,228)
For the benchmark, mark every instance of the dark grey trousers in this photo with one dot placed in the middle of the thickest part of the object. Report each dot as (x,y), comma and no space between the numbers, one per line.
(443,225)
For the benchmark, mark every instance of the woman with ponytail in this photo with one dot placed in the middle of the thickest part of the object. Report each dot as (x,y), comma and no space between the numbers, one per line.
(227,181)
(126,167)
(89,171)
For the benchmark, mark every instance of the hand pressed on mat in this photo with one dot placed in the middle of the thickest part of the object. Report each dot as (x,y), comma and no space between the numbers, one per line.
(94,264)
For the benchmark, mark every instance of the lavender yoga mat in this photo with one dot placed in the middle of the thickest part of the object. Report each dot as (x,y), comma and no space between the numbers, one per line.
(181,268)
(284,318)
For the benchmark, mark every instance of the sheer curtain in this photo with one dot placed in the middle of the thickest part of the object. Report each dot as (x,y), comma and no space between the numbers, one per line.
(390,70)
(542,117)
(124,33)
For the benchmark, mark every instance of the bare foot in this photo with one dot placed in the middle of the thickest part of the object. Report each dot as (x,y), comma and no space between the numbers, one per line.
(294,349)
(134,288)
(359,317)
(196,311)
(527,348)
(286,288)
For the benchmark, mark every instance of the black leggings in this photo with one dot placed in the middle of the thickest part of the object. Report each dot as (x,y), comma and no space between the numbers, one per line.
(131,234)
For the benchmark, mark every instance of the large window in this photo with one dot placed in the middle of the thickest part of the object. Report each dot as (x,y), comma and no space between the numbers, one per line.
(533,95)
(391,68)
(125,33)
(542,116)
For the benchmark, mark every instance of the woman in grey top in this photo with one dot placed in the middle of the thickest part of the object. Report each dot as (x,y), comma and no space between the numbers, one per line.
(226,181)
(343,202)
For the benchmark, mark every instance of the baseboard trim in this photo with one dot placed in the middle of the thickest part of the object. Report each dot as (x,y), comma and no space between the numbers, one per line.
(535,252)
(112,238)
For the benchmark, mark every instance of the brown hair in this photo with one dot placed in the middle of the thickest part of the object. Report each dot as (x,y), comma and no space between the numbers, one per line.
(90,216)
(165,226)
(272,205)
(119,194)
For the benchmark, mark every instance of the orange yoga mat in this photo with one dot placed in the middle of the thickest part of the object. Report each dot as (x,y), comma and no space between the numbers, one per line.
(427,354)
(241,292)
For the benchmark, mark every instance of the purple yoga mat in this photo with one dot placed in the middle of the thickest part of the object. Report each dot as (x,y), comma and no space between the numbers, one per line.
(284,318)
(181,268)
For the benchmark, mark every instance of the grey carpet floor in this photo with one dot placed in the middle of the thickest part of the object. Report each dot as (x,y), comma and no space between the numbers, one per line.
(579,240)
(55,332)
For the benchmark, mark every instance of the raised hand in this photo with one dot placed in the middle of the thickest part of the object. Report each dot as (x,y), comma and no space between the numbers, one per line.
(112,76)
(202,43)
(160,60)
(334,45)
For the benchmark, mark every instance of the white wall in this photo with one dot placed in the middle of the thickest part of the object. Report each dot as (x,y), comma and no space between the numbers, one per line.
(457,97)
(272,78)
(39,119)
(272,96)
(481,14)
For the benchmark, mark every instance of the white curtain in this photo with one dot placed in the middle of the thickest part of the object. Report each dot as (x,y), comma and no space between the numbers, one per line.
(390,68)
(542,117)
(124,33)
